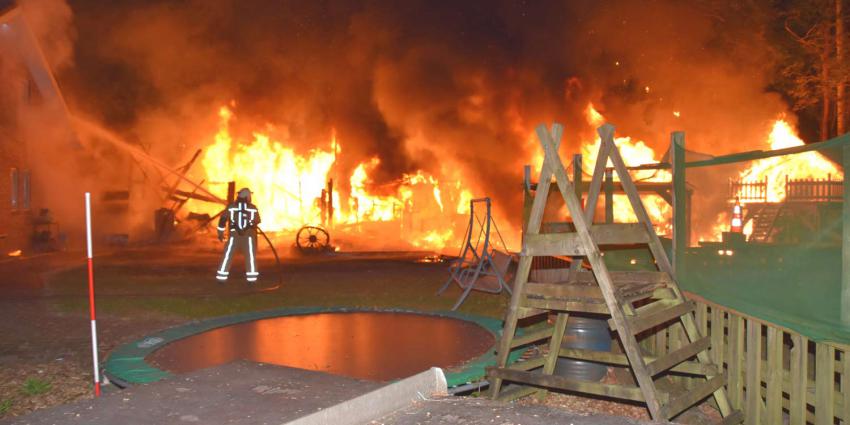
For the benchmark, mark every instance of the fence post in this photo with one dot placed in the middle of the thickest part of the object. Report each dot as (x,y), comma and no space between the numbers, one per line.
(680,232)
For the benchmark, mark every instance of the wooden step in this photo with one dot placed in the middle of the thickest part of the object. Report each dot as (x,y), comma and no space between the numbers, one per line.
(659,294)
(526,312)
(692,396)
(674,358)
(532,337)
(569,244)
(620,278)
(564,290)
(618,359)
(567,384)
(532,363)
(564,305)
(656,314)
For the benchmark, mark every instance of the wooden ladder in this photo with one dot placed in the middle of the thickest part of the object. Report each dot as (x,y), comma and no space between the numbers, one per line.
(602,291)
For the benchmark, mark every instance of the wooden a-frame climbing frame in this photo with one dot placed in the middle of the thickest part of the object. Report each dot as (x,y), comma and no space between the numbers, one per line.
(638,302)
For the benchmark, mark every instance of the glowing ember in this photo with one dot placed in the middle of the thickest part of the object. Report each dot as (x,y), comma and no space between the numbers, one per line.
(15,253)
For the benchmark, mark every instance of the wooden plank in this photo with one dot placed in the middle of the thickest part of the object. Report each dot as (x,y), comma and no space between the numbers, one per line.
(554,381)
(689,398)
(718,345)
(675,336)
(642,322)
(622,277)
(564,290)
(799,377)
(845,386)
(560,305)
(679,186)
(773,396)
(526,312)
(678,356)
(529,364)
(753,373)
(532,337)
(824,384)
(736,361)
(658,294)
(568,244)
(702,319)
(555,343)
(690,368)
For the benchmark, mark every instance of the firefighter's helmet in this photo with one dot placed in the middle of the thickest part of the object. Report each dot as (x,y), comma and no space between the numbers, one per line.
(244,194)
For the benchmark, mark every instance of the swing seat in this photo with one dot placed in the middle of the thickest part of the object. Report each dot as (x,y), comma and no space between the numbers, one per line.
(492,279)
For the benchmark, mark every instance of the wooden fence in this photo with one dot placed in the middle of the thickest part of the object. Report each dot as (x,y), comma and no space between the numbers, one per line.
(754,191)
(774,375)
(814,190)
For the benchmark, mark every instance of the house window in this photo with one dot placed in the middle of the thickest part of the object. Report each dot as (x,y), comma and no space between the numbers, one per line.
(13,188)
(25,190)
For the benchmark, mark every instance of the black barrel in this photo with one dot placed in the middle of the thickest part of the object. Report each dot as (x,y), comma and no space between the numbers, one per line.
(585,333)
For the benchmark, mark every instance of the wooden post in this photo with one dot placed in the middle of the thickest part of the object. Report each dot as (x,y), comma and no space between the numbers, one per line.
(680,199)
(824,384)
(231,192)
(753,373)
(331,203)
(527,197)
(577,176)
(609,195)
(799,378)
(845,244)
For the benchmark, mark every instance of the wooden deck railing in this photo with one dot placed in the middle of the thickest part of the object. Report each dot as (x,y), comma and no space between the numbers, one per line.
(774,375)
(754,191)
(814,190)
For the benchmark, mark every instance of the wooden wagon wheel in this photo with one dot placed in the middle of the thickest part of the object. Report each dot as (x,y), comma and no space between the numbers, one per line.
(312,239)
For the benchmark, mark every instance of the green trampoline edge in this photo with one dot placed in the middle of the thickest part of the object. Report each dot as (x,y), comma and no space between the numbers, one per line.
(127,365)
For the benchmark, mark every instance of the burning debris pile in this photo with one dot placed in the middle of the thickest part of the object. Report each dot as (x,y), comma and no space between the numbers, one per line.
(295,189)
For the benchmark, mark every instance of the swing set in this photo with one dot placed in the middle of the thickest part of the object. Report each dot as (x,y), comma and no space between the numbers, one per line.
(481,265)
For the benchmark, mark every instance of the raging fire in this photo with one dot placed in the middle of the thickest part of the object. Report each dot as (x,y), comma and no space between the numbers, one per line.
(289,187)
(807,165)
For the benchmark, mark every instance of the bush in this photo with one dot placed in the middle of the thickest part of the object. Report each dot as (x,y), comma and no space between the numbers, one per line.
(35,386)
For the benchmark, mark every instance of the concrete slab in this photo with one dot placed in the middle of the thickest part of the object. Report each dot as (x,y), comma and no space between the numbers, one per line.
(236,393)
(475,411)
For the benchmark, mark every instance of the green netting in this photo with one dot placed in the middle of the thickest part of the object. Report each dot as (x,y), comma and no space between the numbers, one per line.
(126,364)
(794,286)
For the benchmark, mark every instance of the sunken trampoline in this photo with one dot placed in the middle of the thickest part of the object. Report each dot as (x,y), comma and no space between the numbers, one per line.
(376,345)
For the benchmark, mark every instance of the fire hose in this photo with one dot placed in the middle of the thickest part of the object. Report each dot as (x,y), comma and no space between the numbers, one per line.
(276,258)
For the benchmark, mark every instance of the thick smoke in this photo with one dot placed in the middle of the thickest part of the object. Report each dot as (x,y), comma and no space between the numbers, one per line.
(454,88)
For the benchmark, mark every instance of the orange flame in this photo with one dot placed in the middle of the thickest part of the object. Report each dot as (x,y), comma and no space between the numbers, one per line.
(633,152)
(288,187)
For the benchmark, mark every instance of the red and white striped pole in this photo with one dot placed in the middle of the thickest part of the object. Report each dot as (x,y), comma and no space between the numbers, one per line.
(91,298)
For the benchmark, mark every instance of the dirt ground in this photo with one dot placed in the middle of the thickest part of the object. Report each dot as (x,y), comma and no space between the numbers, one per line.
(45,352)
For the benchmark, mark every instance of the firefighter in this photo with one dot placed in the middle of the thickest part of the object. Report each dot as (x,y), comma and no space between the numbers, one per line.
(243,217)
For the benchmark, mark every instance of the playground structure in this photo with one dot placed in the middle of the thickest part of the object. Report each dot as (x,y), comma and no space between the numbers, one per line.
(480,265)
(775,313)
(639,303)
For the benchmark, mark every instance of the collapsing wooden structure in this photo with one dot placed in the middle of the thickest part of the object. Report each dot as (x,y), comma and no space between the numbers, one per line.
(638,302)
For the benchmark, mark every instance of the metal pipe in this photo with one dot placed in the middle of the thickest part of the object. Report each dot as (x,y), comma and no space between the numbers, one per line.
(469,387)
